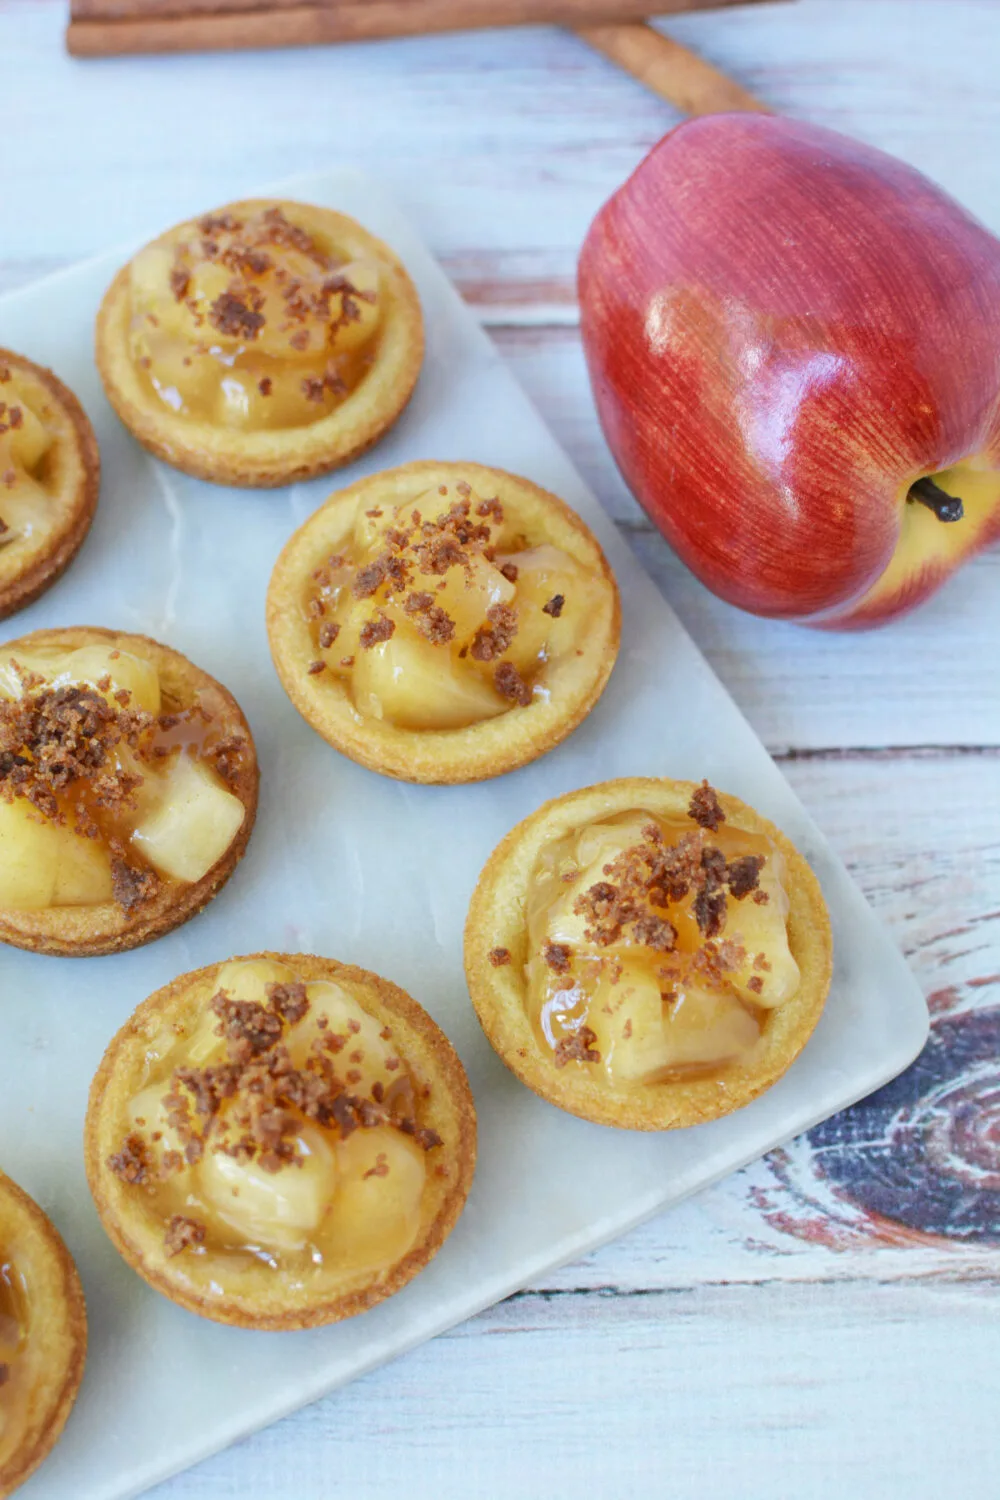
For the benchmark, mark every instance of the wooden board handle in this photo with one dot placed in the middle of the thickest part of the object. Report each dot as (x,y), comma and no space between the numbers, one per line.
(683,78)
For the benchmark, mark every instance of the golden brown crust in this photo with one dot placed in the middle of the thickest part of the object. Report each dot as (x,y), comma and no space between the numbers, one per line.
(441,756)
(496,920)
(88,931)
(262,460)
(254,1303)
(34,1246)
(74,470)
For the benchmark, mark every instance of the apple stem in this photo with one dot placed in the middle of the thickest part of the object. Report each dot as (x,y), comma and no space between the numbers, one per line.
(946,507)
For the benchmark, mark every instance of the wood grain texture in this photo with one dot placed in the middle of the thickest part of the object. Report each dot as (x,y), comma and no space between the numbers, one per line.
(770,1338)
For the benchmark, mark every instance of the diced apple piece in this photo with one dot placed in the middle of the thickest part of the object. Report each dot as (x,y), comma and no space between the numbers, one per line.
(366,309)
(544,574)
(640,1037)
(366,1048)
(416,685)
(83,871)
(468,594)
(29,442)
(149,280)
(29,856)
(277,1210)
(761,928)
(249,979)
(26,509)
(148,1113)
(90,664)
(597,845)
(194,824)
(375,1216)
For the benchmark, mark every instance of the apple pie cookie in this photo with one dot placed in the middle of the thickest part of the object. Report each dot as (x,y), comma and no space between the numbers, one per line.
(43,1335)
(128,790)
(50,474)
(443,622)
(646,953)
(260,344)
(280,1141)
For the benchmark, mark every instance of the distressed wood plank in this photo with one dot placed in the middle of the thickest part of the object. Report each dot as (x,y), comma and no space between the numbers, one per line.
(720,1394)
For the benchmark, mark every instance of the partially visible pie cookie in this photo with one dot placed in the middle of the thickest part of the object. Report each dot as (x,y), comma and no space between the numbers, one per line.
(265,342)
(648,954)
(50,475)
(280,1141)
(443,622)
(43,1335)
(128,790)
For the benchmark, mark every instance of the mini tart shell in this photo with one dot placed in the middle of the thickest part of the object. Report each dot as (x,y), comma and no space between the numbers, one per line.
(483,750)
(252,1299)
(87,931)
(262,460)
(73,480)
(58,1333)
(497,920)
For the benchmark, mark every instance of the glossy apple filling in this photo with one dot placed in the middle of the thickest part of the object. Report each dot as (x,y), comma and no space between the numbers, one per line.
(283,1128)
(657,949)
(442,613)
(103,796)
(26,510)
(252,323)
(13,1335)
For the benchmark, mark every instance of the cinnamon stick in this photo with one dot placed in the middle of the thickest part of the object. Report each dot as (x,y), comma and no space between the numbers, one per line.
(111,27)
(678,75)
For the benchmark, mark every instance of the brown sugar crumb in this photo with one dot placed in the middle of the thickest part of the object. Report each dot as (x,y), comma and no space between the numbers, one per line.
(183,1234)
(743,875)
(233,315)
(761,962)
(509,571)
(131,886)
(328,633)
(131,1163)
(755,983)
(417,602)
(554,606)
(436,625)
(315,667)
(577,1048)
(558,957)
(347,661)
(494,638)
(180,280)
(499,956)
(15,417)
(761,898)
(381,1167)
(510,684)
(265,386)
(374,632)
(705,807)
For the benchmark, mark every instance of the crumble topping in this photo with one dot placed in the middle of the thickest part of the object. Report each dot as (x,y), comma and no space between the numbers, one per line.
(577,1047)
(705,808)
(499,956)
(183,1234)
(252,1105)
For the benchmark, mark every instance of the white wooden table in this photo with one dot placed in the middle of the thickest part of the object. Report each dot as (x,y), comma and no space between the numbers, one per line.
(824,1324)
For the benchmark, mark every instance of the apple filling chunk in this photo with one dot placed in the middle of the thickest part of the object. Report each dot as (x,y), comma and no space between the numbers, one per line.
(251,323)
(25,506)
(658,947)
(439,614)
(281,1124)
(102,794)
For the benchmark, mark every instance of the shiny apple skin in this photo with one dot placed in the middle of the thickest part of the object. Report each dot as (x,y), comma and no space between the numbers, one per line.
(784,328)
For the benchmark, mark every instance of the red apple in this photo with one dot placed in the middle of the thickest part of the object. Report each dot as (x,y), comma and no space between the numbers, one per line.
(794,344)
